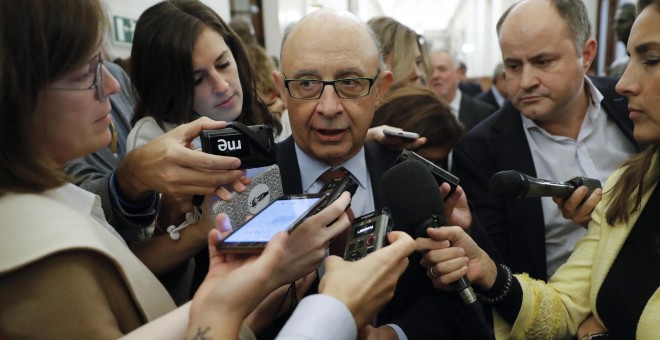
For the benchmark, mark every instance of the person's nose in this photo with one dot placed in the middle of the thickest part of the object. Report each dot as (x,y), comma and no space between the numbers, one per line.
(218,83)
(628,85)
(329,103)
(528,77)
(416,73)
(110,83)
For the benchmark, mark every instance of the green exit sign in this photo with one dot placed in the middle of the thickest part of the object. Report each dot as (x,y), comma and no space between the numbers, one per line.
(123,29)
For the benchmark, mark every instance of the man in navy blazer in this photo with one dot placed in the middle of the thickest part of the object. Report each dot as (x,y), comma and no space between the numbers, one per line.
(558,124)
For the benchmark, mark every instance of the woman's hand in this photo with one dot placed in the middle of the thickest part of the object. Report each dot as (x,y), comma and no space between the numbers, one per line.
(450,253)
(307,244)
(377,134)
(233,287)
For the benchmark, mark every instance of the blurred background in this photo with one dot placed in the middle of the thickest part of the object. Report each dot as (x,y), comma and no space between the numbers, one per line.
(467,27)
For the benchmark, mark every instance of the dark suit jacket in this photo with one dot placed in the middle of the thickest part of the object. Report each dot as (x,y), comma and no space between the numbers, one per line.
(472,111)
(489,98)
(469,88)
(499,143)
(417,307)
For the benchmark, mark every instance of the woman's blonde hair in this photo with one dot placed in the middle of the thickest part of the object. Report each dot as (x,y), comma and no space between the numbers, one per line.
(396,40)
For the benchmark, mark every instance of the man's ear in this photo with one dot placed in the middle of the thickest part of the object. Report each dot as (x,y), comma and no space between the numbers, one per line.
(383,83)
(279,82)
(589,53)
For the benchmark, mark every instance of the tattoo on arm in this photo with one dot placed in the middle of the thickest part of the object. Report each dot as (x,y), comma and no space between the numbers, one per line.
(201,334)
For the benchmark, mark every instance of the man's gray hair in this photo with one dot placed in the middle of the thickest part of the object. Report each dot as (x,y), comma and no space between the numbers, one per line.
(452,55)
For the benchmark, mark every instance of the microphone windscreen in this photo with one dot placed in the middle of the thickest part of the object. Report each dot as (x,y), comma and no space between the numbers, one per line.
(508,183)
(412,195)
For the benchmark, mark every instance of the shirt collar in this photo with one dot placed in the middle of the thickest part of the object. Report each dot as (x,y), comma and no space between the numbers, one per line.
(83,201)
(455,104)
(314,168)
(593,110)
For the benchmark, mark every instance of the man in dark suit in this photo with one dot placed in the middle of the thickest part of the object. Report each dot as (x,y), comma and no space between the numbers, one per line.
(557,125)
(497,94)
(329,122)
(444,82)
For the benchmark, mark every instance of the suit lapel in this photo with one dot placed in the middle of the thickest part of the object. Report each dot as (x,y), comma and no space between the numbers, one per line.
(511,144)
(378,161)
(289,170)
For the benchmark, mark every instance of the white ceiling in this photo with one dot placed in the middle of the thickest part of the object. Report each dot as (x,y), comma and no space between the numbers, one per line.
(421,15)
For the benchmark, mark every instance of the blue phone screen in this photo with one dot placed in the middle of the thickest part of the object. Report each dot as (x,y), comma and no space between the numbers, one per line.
(276,217)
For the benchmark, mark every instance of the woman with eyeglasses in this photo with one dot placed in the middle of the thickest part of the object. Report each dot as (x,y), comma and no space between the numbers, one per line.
(613,271)
(64,272)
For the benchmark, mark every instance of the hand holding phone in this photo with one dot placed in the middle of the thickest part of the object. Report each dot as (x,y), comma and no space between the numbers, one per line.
(439,174)
(367,234)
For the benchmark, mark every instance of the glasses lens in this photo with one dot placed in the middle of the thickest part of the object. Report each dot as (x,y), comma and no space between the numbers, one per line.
(352,87)
(305,89)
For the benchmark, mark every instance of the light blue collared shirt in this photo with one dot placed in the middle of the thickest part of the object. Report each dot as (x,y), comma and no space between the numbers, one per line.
(311,169)
(361,203)
(600,148)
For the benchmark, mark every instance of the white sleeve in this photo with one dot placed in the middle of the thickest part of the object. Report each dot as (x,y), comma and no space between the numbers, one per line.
(320,317)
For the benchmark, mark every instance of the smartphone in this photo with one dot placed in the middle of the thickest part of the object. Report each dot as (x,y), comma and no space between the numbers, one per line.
(402,134)
(284,213)
(367,234)
(264,187)
(439,174)
(335,187)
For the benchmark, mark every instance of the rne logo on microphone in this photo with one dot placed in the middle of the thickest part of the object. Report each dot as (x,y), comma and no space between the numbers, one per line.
(233,146)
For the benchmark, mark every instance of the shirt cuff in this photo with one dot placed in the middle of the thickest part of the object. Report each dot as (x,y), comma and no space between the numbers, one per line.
(135,212)
(398,330)
(320,317)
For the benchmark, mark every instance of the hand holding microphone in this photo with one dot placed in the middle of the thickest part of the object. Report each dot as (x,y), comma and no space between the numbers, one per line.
(413,197)
(575,202)
(414,200)
(514,184)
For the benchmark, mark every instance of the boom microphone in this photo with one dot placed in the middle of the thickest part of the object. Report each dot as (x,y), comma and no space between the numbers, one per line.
(514,184)
(414,200)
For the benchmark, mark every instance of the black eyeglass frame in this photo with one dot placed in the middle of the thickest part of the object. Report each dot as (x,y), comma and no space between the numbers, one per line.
(372,81)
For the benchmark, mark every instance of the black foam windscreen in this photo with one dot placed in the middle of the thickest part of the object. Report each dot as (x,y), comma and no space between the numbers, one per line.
(508,183)
(412,196)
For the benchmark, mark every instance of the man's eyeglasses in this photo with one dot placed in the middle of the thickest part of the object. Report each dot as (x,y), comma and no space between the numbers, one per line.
(347,88)
(96,82)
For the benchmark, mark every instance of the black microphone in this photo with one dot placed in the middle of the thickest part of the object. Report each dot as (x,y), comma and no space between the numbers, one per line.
(414,201)
(514,184)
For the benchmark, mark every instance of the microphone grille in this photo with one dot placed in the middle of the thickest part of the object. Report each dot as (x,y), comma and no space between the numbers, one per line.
(411,194)
(508,183)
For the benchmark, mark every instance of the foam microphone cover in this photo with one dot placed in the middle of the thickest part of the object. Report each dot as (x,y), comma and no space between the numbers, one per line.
(412,196)
(508,183)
